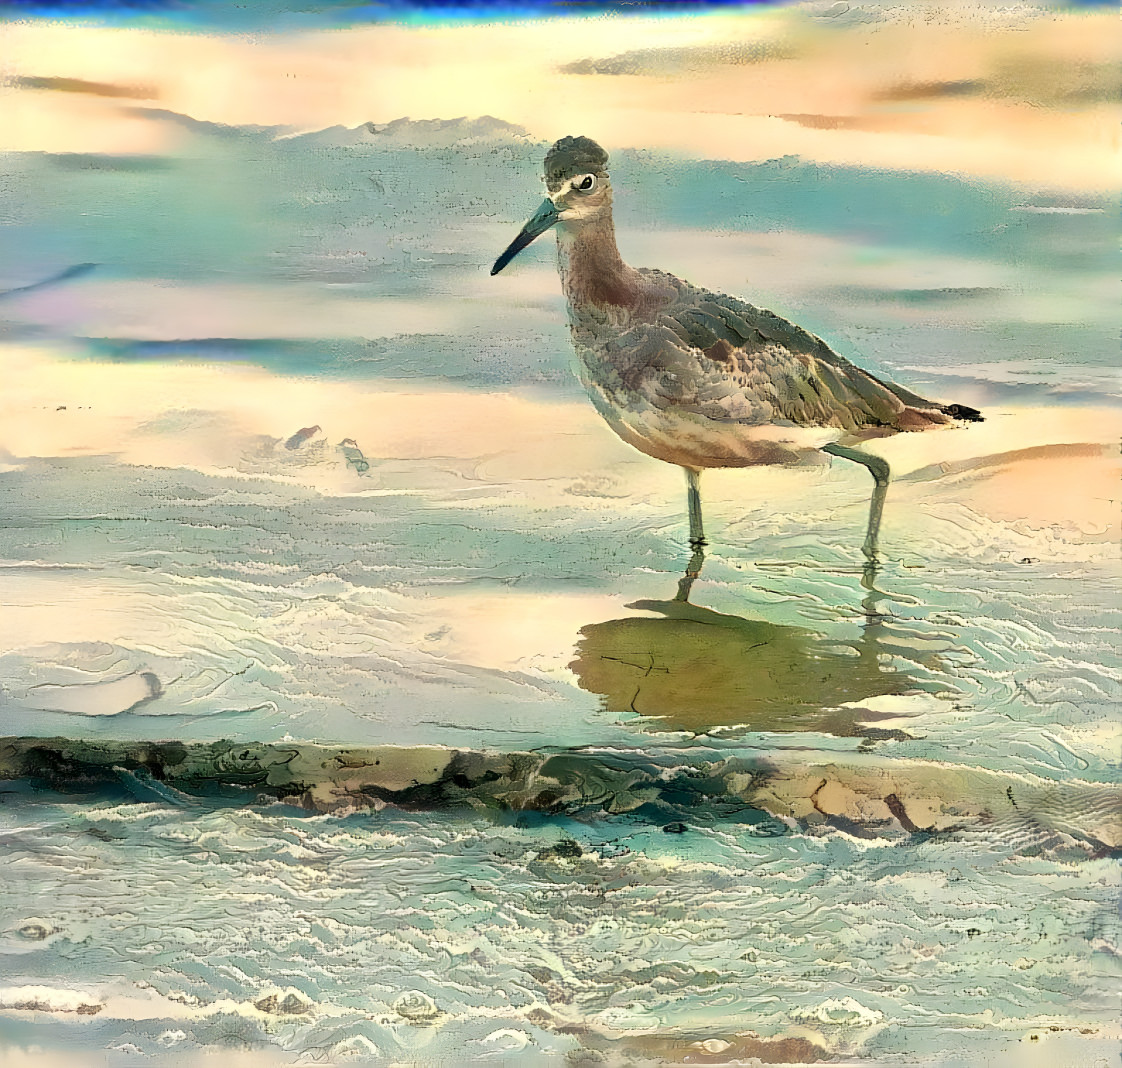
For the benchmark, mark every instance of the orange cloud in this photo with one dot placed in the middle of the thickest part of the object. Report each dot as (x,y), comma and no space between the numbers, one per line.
(1026,98)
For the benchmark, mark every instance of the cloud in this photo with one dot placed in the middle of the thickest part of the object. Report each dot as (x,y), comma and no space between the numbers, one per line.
(80,85)
(834,122)
(96,161)
(1035,77)
(902,91)
(445,133)
(156,310)
(664,61)
(1020,77)
(1019,92)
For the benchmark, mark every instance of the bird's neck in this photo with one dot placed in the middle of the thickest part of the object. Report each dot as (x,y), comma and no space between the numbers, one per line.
(591,269)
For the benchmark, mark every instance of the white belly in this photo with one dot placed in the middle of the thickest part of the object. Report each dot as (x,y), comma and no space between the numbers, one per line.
(692,440)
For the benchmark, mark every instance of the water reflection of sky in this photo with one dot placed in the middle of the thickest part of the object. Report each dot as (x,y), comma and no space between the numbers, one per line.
(457,520)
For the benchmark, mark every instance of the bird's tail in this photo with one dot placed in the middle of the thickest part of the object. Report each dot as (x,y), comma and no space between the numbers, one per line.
(961,411)
(922,404)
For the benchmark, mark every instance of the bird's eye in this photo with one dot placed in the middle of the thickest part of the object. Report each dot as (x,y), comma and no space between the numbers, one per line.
(585,183)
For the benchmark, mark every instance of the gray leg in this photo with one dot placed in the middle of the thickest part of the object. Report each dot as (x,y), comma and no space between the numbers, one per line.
(878,468)
(697,535)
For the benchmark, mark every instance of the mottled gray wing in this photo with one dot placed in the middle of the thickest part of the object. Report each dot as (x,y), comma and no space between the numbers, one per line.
(730,361)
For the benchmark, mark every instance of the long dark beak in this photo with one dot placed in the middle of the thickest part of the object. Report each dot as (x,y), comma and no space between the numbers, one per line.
(542,220)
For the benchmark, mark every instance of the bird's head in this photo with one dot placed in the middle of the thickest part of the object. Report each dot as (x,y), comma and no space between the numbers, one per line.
(576,175)
(580,191)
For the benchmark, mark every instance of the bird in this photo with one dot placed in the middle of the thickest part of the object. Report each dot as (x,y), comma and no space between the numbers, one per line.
(702,379)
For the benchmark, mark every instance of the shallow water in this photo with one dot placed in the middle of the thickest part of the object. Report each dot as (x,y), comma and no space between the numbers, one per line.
(872,824)
(436,935)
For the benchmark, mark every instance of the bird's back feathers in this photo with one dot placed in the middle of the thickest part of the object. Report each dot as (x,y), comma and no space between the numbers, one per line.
(727,360)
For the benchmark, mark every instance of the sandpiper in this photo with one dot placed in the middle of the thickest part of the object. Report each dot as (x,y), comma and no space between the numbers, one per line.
(702,379)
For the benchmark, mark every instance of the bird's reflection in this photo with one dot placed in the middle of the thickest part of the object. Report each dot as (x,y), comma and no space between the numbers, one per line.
(697,670)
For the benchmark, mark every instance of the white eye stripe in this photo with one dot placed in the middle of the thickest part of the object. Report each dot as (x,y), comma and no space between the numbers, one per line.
(584,183)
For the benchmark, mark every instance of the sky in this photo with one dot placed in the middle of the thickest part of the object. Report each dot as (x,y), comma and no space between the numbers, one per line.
(1021,92)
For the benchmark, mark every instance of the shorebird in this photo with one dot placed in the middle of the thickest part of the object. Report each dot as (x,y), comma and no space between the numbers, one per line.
(701,379)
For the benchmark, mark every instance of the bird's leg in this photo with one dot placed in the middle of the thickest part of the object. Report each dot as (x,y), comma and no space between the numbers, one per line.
(878,468)
(697,535)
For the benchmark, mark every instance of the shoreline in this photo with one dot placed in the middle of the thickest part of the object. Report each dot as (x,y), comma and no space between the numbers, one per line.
(864,795)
